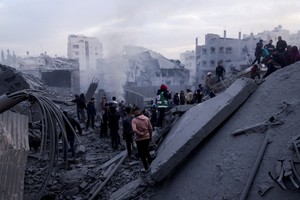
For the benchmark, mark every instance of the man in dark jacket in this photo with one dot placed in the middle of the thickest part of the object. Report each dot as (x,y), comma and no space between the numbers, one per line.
(281,45)
(80,106)
(70,133)
(127,130)
(271,68)
(91,113)
(162,102)
(220,71)
(258,52)
(270,47)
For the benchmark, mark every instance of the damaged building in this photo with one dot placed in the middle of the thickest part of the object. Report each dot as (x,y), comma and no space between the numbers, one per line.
(55,72)
(147,70)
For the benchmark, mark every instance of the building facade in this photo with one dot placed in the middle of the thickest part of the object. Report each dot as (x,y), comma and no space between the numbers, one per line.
(234,53)
(86,49)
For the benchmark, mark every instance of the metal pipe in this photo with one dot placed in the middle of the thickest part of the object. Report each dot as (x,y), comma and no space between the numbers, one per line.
(6,102)
(255,167)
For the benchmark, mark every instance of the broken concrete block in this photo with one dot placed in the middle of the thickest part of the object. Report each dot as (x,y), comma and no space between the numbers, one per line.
(113,160)
(126,191)
(196,124)
(72,192)
(83,185)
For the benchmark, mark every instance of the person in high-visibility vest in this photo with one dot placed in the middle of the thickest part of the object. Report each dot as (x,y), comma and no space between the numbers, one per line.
(162,103)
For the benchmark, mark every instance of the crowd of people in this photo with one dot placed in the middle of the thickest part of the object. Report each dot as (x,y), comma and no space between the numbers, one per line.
(129,121)
(273,57)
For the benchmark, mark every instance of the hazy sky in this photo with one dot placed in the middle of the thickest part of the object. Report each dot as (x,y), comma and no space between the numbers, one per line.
(168,27)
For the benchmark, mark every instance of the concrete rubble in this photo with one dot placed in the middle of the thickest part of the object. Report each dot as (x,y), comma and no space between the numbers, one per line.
(219,149)
(192,127)
(253,155)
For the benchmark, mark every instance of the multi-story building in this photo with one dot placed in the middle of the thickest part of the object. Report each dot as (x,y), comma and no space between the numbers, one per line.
(86,49)
(235,54)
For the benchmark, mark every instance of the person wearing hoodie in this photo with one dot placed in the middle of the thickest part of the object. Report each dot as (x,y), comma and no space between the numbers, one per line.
(162,103)
(142,129)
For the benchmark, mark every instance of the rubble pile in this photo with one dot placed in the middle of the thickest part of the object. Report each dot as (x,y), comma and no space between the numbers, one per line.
(92,169)
(253,155)
(241,144)
(13,80)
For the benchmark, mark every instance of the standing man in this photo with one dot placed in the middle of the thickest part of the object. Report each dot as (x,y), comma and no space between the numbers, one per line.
(77,100)
(281,45)
(91,113)
(113,122)
(142,129)
(82,106)
(258,52)
(70,134)
(199,94)
(220,71)
(270,47)
(127,130)
(162,102)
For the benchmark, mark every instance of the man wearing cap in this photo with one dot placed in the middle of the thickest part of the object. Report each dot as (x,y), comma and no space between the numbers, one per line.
(142,129)
(162,102)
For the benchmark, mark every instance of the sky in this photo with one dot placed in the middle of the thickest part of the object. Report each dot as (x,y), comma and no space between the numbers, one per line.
(168,27)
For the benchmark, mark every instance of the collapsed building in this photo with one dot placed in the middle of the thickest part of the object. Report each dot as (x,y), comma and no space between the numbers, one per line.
(147,70)
(55,72)
(241,144)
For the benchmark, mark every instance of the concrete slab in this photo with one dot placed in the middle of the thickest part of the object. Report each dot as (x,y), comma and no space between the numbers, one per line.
(194,126)
(126,191)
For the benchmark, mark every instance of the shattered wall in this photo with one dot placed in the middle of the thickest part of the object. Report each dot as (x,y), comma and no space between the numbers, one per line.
(14,147)
(58,78)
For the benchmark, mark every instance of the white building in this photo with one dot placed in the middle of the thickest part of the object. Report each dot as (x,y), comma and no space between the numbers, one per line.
(188,60)
(234,53)
(273,35)
(86,49)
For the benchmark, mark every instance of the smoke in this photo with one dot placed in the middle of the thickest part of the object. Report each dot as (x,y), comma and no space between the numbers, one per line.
(111,70)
